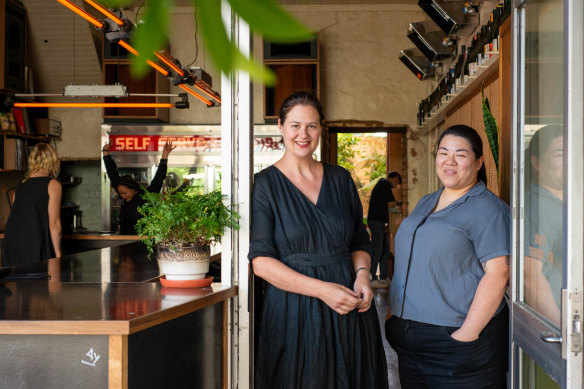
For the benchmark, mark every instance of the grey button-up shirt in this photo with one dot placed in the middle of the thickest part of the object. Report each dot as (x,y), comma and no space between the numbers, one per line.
(438,255)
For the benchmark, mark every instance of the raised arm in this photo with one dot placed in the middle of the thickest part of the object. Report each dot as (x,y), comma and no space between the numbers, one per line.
(55,193)
(110,165)
(158,180)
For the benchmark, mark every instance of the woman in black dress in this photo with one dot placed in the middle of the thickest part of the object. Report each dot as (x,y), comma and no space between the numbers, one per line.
(130,190)
(319,326)
(33,229)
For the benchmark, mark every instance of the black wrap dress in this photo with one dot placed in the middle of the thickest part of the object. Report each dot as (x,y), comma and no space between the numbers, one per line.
(302,342)
(27,237)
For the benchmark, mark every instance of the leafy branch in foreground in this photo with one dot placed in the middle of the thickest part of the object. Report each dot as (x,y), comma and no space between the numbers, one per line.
(265,17)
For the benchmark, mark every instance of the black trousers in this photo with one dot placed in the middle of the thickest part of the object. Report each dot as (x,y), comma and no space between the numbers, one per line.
(428,357)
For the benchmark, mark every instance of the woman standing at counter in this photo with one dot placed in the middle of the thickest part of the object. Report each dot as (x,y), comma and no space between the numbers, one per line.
(33,229)
(129,189)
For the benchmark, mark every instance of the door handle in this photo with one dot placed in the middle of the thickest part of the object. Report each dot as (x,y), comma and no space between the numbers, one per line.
(550,337)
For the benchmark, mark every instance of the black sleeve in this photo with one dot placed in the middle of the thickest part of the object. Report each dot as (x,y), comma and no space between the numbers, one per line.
(111,169)
(360,239)
(389,193)
(158,180)
(262,243)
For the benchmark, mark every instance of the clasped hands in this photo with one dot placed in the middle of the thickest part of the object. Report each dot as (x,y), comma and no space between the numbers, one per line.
(343,300)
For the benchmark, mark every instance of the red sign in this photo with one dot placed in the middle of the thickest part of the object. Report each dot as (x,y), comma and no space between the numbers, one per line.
(196,143)
(134,143)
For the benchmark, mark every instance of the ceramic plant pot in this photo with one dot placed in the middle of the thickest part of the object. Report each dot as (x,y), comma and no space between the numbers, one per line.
(184,262)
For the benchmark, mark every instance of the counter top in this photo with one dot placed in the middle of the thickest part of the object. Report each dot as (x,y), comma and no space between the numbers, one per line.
(93,235)
(113,290)
(44,307)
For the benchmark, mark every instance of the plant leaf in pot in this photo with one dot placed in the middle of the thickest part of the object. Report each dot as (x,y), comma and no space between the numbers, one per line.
(182,225)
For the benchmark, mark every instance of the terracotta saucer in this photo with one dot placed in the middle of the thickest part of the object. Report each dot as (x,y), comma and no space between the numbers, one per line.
(186,283)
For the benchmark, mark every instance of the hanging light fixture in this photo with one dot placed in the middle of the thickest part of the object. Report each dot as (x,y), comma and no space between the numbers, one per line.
(94,105)
(119,33)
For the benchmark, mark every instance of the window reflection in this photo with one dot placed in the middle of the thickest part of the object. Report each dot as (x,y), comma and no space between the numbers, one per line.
(543,221)
(543,157)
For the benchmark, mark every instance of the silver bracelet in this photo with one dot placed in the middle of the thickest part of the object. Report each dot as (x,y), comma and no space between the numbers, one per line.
(361,268)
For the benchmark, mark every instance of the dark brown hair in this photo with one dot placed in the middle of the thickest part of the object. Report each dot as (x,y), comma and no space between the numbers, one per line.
(300,98)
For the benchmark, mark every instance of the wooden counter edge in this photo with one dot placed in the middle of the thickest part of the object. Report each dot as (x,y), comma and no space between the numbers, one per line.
(100,237)
(64,327)
(112,327)
(151,320)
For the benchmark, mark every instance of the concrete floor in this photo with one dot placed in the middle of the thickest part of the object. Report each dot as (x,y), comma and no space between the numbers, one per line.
(382,304)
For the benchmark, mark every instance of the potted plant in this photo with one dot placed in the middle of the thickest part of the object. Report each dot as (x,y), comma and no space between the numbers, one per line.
(182,226)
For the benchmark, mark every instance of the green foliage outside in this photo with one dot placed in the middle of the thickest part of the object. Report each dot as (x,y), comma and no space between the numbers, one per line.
(183,217)
(265,17)
(346,152)
(376,166)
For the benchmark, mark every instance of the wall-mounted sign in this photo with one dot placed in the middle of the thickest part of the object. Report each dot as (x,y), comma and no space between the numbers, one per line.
(195,143)
(155,143)
(269,143)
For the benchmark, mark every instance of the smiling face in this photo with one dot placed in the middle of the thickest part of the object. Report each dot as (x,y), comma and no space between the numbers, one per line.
(456,164)
(127,194)
(301,130)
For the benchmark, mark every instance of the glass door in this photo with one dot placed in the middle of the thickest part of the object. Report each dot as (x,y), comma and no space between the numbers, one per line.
(548,220)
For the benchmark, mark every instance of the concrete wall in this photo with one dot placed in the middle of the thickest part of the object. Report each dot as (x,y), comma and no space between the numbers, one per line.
(183,47)
(81,132)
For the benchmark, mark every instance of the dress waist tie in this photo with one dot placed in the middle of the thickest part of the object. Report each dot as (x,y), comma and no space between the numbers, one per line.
(318,259)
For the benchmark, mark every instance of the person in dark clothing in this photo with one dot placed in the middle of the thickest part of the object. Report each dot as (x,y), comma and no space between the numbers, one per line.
(33,229)
(129,189)
(319,325)
(377,217)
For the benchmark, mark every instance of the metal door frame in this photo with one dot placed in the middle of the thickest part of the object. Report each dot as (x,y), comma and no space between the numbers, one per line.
(565,365)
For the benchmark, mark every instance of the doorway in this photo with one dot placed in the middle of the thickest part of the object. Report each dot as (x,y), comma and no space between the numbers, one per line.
(370,153)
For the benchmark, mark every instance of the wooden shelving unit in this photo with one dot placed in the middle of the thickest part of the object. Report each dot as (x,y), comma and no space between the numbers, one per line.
(465,90)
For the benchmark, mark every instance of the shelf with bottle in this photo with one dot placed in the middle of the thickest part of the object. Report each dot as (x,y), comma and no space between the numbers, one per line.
(475,63)
(463,90)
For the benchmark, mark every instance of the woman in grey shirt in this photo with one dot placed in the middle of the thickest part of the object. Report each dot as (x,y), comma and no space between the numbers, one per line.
(449,323)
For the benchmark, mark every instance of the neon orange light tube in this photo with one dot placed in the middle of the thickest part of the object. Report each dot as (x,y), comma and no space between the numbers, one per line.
(94,105)
(163,58)
(106,12)
(208,93)
(125,45)
(81,13)
(198,96)
(132,50)
(157,67)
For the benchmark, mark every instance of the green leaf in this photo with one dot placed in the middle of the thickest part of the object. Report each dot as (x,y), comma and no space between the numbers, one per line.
(491,129)
(223,52)
(116,4)
(150,35)
(271,20)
